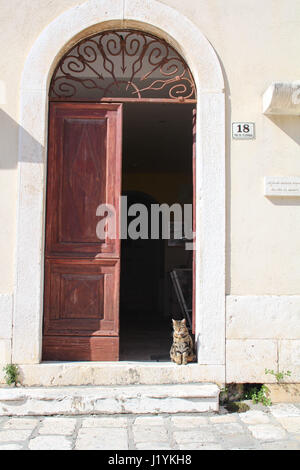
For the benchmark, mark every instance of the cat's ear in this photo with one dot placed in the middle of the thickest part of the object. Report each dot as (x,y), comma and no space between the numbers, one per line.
(183,321)
(174,321)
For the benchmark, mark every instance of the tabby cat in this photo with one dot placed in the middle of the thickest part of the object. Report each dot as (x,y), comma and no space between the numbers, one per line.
(182,350)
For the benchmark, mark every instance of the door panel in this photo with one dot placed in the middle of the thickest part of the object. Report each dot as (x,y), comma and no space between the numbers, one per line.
(81,348)
(81,299)
(84,166)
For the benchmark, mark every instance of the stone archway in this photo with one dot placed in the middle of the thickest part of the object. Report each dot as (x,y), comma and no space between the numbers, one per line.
(182,34)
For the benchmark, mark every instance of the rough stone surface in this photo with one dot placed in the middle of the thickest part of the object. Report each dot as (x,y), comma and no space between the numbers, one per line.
(247,360)
(188,421)
(256,429)
(149,421)
(11,447)
(228,428)
(203,434)
(284,393)
(283,410)
(50,443)
(104,422)
(289,358)
(153,446)
(230,418)
(149,433)
(63,374)
(200,446)
(14,435)
(291,424)
(21,423)
(58,426)
(137,399)
(282,445)
(101,439)
(254,417)
(262,317)
(267,432)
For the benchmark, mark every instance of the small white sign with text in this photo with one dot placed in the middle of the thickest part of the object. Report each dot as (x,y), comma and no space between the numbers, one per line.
(282,186)
(243,130)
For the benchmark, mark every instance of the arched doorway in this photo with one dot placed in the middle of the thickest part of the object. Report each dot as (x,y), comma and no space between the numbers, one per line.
(99,82)
(60,34)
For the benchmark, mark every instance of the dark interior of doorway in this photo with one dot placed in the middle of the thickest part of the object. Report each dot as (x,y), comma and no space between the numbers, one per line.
(157,168)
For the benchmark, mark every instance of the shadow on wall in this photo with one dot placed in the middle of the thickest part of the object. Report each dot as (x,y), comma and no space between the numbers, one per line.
(284,201)
(11,133)
(288,124)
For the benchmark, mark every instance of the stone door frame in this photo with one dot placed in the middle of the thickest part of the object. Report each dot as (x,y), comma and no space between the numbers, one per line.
(72,25)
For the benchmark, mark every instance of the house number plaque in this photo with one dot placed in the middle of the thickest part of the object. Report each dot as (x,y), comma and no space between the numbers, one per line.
(243,130)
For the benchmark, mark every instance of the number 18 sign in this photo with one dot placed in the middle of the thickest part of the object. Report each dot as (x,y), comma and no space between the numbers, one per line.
(243,130)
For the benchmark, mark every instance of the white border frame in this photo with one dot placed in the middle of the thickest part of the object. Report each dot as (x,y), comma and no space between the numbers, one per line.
(166,22)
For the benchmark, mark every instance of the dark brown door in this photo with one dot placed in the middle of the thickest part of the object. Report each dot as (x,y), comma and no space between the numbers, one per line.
(81,298)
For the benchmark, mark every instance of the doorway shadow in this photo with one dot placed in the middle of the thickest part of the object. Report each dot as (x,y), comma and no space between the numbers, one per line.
(145,334)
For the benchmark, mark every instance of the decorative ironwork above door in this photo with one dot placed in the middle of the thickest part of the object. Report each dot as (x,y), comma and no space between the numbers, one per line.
(122,64)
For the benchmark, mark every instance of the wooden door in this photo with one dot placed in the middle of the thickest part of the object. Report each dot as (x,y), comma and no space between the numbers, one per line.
(81,297)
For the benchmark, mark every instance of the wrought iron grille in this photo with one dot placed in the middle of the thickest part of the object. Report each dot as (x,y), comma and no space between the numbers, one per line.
(122,64)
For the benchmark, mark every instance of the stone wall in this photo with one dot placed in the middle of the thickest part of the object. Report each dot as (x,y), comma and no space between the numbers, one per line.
(6,306)
(262,332)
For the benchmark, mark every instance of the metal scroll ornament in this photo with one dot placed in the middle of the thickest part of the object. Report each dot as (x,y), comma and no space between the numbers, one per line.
(127,64)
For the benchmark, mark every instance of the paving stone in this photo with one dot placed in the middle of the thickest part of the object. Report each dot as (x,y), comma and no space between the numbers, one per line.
(11,447)
(281,445)
(50,443)
(153,446)
(21,423)
(104,422)
(267,432)
(202,435)
(283,410)
(254,417)
(238,441)
(14,435)
(65,426)
(228,428)
(188,421)
(148,434)
(102,439)
(290,423)
(200,446)
(230,418)
(149,421)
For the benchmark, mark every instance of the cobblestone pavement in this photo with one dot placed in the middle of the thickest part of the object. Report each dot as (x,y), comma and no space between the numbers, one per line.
(276,427)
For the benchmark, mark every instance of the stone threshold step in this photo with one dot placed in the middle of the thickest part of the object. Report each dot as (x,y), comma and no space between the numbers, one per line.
(135,399)
(60,374)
